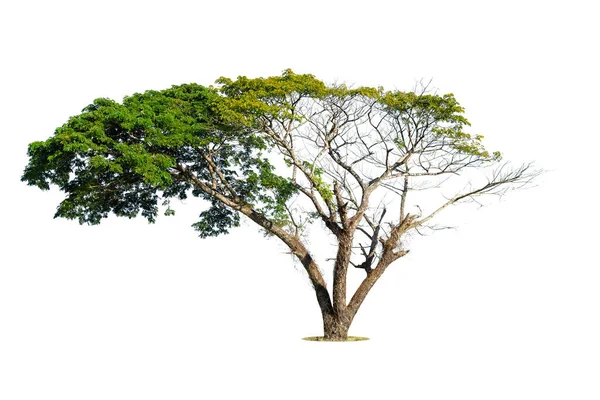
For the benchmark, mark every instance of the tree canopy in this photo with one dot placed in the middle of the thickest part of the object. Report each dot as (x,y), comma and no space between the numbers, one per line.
(284,151)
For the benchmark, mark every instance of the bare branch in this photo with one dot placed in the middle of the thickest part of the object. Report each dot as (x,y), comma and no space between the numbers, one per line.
(369,257)
(498,184)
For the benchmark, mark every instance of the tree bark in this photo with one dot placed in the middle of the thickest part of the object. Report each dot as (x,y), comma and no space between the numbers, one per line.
(388,257)
(335,327)
(340,270)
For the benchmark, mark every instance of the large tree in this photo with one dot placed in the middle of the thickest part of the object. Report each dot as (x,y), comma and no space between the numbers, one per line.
(283,151)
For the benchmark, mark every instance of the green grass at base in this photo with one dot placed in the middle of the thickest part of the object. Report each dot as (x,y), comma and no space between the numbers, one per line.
(321,339)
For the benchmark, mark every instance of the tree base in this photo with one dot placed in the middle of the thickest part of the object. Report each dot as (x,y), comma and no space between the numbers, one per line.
(322,339)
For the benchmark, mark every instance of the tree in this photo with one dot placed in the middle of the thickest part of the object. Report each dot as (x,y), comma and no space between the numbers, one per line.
(283,151)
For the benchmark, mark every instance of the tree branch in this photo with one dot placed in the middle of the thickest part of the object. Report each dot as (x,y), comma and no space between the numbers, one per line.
(370,256)
(296,247)
(498,184)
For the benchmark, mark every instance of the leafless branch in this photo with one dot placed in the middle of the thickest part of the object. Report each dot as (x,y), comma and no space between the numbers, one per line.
(501,181)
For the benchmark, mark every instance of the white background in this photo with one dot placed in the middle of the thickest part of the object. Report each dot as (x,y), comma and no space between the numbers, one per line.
(505,307)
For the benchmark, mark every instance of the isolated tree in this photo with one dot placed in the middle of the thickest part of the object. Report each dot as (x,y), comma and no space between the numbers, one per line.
(285,152)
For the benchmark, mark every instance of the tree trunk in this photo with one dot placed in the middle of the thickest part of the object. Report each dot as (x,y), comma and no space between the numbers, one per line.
(335,328)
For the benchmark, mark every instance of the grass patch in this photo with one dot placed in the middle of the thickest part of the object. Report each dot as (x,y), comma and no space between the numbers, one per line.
(322,339)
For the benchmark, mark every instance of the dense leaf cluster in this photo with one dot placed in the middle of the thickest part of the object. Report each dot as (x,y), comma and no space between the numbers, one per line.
(121,158)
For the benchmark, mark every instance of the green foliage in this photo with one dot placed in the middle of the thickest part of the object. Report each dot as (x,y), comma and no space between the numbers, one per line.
(323,188)
(269,192)
(119,158)
(445,115)
(246,100)
(123,158)
(217,220)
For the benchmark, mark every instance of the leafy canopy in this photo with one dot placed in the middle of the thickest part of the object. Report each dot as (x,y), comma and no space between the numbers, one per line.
(212,142)
(119,158)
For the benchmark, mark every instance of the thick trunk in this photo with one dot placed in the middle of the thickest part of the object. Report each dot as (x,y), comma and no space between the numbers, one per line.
(340,270)
(335,328)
